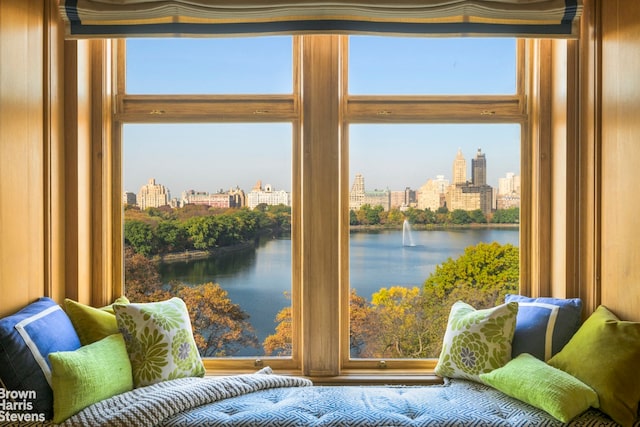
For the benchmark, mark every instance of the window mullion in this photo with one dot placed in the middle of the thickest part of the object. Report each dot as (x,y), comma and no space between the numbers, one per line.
(320,206)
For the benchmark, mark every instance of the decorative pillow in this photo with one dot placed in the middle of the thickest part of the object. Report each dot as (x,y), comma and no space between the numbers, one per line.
(120,300)
(604,354)
(531,380)
(26,339)
(476,341)
(544,325)
(88,375)
(159,341)
(92,324)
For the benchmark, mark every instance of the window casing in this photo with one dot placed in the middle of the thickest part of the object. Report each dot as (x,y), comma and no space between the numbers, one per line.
(320,110)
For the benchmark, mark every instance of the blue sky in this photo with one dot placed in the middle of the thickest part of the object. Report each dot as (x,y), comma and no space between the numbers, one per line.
(209,157)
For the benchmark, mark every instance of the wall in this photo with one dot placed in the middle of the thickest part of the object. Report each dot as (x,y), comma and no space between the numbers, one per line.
(23,153)
(620,157)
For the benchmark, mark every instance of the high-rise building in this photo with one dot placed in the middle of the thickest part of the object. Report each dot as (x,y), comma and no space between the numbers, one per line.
(358,196)
(479,169)
(432,194)
(472,195)
(508,192)
(509,184)
(459,169)
(403,198)
(153,195)
(128,198)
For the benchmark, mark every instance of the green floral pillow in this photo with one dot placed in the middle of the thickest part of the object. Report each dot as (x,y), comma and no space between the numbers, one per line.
(159,341)
(476,341)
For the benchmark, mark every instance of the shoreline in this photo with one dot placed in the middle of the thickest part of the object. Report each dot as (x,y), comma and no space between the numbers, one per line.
(194,254)
(431,226)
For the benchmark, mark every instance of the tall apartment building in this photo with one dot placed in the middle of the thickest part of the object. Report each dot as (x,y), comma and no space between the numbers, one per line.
(267,195)
(128,198)
(153,195)
(509,184)
(403,198)
(472,195)
(508,192)
(432,194)
(459,169)
(479,169)
(358,196)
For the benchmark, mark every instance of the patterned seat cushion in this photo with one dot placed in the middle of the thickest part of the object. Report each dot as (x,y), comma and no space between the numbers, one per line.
(458,402)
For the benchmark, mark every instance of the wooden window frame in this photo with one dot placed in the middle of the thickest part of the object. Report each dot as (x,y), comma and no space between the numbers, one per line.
(320,160)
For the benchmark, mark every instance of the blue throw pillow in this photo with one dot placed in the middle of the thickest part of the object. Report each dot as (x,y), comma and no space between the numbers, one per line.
(26,339)
(544,325)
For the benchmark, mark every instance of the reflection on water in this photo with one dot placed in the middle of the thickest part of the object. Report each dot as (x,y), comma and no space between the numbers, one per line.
(257,278)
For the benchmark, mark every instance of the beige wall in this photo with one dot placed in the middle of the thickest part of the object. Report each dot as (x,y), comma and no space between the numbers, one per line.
(45,205)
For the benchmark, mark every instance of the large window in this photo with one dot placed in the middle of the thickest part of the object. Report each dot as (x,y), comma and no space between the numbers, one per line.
(213,130)
(207,143)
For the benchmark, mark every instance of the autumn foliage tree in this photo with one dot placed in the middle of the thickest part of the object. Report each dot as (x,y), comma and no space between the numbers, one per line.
(280,343)
(220,327)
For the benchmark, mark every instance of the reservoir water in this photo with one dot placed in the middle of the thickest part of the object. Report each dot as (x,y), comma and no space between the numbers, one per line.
(258,278)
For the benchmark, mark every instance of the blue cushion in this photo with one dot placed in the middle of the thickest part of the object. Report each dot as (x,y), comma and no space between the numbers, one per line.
(544,325)
(26,339)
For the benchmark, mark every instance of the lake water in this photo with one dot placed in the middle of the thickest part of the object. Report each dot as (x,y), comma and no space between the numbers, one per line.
(257,279)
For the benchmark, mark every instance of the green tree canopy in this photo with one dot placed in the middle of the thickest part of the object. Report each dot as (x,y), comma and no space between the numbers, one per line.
(506,216)
(139,235)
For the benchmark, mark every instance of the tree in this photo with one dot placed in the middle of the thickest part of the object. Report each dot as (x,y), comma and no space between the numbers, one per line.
(373,214)
(172,236)
(202,231)
(460,216)
(477,216)
(481,276)
(142,279)
(362,326)
(400,327)
(221,328)
(353,218)
(280,343)
(506,216)
(395,217)
(139,235)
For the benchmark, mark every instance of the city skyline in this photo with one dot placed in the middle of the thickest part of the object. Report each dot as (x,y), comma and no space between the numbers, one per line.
(177,194)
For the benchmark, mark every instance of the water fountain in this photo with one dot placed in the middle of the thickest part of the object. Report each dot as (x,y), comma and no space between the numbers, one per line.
(407,238)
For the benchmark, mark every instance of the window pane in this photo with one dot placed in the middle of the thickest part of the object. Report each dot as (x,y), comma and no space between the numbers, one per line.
(431,66)
(210,66)
(422,197)
(207,218)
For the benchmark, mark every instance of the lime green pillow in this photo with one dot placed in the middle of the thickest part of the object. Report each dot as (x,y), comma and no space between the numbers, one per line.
(159,341)
(530,380)
(92,324)
(88,375)
(476,341)
(604,354)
